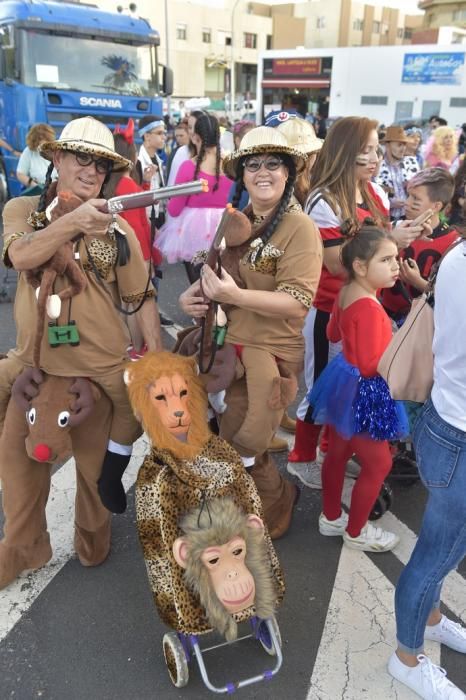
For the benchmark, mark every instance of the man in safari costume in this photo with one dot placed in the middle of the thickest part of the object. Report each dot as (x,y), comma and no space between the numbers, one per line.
(109,255)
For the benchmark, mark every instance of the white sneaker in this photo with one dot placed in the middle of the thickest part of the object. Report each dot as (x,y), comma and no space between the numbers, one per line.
(372,539)
(427,680)
(331,528)
(353,469)
(449,633)
(307,472)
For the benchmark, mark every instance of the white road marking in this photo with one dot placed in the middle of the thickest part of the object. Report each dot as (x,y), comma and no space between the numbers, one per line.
(359,636)
(17,598)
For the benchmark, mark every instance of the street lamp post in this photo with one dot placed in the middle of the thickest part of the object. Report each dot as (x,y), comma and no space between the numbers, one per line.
(167,55)
(232,69)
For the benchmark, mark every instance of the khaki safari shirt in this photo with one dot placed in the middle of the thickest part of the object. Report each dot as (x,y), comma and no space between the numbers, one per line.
(103,334)
(291,262)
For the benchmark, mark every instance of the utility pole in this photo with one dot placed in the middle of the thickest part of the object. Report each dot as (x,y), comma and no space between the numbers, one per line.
(232,69)
(167,55)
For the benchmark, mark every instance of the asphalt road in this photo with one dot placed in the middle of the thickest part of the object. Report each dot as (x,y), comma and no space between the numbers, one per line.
(70,633)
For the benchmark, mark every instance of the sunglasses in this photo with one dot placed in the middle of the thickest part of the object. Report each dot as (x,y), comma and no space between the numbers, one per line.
(102,165)
(252,165)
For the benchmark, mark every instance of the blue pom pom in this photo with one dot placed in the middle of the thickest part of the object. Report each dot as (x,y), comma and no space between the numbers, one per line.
(376,413)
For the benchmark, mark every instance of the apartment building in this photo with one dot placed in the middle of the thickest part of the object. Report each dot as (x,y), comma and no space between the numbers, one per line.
(332,23)
(443,13)
(206,38)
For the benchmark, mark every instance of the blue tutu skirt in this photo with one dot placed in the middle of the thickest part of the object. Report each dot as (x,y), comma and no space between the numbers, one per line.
(356,405)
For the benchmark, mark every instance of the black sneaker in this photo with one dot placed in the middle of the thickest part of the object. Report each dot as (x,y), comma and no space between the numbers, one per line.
(165,321)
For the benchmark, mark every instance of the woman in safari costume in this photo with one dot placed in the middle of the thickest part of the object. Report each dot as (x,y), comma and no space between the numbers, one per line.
(278,274)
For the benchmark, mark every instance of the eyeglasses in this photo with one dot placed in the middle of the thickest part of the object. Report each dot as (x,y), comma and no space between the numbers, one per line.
(252,165)
(102,165)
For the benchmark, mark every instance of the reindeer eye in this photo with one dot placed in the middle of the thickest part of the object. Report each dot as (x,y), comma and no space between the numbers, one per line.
(183,392)
(63,419)
(237,552)
(31,416)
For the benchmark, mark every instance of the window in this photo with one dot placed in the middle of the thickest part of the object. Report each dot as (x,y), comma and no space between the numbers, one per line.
(408,33)
(206,36)
(374,100)
(268,42)
(320,22)
(358,25)
(223,38)
(400,32)
(458,102)
(376,27)
(250,40)
(182,31)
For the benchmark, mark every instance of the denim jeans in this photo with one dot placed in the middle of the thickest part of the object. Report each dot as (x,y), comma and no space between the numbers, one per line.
(441,546)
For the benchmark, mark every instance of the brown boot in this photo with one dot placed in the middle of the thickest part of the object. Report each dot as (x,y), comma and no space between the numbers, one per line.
(278,495)
(17,560)
(278,444)
(93,548)
(288,424)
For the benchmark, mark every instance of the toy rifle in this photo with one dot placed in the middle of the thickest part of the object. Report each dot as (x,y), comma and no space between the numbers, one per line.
(235,229)
(144,199)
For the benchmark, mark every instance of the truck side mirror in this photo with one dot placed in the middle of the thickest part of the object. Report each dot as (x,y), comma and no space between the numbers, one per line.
(167,80)
(2,65)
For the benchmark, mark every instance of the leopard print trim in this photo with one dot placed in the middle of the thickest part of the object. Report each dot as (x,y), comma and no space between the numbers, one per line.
(267,262)
(162,496)
(200,257)
(104,256)
(137,298)
(14,237)
(296,293)
(37,219)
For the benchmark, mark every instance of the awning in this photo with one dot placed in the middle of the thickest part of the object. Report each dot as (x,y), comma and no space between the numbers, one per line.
(296,83)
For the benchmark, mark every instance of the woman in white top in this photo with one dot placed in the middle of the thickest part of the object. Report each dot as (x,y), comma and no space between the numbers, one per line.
(32,168)
(440,443)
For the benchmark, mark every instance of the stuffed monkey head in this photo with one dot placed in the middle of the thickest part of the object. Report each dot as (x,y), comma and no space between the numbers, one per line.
(225,558)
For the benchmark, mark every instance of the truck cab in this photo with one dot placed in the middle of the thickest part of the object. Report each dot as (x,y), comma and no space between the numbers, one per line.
(63,60)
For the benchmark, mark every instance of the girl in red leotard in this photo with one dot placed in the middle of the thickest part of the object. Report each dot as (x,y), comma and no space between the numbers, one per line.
(352,399)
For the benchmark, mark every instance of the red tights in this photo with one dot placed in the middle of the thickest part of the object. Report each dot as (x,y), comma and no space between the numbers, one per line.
(376,461)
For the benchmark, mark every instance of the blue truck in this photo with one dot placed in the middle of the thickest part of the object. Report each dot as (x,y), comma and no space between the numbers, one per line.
(62,60)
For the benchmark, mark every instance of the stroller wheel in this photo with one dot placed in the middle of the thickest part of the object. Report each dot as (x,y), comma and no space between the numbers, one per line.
(175,659)
(383,503)
(264,637)
(404,469)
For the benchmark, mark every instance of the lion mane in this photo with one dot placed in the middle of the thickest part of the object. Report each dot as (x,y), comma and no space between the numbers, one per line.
(141,375)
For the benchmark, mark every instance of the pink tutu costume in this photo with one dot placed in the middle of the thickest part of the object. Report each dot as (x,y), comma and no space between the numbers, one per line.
(193,220)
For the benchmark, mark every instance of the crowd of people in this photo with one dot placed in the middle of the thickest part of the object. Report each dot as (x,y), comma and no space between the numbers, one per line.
(345,232)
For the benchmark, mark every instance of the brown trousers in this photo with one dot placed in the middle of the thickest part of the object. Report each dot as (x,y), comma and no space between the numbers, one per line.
(25,490)
(278,495)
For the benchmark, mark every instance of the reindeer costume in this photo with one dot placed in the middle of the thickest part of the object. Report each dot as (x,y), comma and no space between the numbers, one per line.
(100,355)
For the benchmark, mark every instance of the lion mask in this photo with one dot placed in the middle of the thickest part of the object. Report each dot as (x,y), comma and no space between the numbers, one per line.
(169,399)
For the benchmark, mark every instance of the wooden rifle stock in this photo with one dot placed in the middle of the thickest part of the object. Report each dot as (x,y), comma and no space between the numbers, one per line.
(235,228)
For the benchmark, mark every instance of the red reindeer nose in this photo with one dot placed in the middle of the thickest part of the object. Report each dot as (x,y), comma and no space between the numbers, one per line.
(42,453)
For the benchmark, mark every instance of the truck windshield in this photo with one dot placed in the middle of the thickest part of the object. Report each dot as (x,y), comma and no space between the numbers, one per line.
(87,65)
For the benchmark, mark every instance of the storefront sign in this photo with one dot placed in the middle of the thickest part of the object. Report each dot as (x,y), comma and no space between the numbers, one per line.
(297,66)
(438,68)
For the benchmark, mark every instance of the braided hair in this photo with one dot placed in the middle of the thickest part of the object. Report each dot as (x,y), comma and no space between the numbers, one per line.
(265,231)
(208,130)
(43,203)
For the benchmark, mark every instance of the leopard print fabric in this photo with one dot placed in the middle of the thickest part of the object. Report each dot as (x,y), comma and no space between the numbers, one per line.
(162,497)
